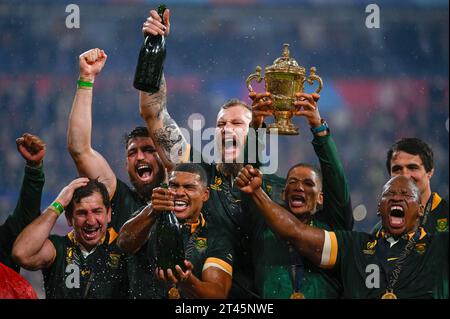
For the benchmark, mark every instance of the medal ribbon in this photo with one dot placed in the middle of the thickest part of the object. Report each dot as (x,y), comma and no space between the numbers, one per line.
(297,269)
(427,210)
(395,274)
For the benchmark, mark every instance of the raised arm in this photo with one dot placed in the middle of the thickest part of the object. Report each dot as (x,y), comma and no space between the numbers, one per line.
(308,240)
(88,161)
(28,205)
(32,248)
(164,131)
(337,210)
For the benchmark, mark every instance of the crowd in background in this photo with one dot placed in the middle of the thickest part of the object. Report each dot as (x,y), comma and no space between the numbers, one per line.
(211,51)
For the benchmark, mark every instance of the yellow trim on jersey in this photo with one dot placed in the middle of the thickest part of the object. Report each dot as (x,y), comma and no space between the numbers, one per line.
(200,221)
(71,236)
(112,235)
(436,201)
(218,263)
(334,249)
(330,261)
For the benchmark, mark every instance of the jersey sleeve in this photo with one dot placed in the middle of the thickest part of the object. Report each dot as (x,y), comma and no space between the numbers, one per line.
(220,252)
(27,209)
(337,211)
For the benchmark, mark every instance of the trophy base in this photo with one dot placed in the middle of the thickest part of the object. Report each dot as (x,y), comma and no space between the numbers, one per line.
(283,124)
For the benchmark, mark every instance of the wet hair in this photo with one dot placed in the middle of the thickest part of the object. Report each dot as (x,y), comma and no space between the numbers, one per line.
(194,169)
(314,168)
(235,102)
(93,186)
(139,131)
(413,146)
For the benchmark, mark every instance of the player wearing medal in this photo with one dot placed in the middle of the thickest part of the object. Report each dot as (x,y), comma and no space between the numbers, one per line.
(143,164)
(86,263)
(225,206)
(322,202)
(209,255)
(413,158)
(401,261)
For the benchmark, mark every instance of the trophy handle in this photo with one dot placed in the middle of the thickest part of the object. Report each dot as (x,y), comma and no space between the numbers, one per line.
(255,76)
(314,77)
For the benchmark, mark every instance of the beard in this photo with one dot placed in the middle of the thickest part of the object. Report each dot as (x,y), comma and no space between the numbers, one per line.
(145,189)
(230,169)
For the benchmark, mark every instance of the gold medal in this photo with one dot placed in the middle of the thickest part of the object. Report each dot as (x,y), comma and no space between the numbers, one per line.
(389,294)
(297,295)
(173,293)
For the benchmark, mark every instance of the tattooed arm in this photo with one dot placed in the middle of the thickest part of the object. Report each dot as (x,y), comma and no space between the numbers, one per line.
(164,131)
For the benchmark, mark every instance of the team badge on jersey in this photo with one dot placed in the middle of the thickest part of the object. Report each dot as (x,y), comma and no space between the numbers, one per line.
(420,248)
(217,183)
(442,225)
(370,248)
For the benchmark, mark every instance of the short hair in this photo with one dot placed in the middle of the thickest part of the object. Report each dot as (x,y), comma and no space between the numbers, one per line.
(412,184)
(93,186)
(138,131)
(194,169)
(235,102)
(314,168)
(414,146)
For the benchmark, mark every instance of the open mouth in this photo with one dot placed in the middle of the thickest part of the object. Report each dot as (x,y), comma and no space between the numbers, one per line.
(396,216)
(180,205)
(229,143)
(91,233)
(297,201)
(144,171)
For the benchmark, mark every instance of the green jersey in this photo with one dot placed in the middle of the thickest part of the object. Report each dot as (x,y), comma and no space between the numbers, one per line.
(76,274)
(279,270)
(142,283)
(229,210)
(27,209)
(205,246)
(413,266)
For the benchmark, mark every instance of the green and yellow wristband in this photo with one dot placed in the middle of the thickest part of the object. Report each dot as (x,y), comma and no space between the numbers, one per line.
(86,85)
(57,207)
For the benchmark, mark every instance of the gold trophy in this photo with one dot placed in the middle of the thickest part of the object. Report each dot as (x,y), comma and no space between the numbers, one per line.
(283,80)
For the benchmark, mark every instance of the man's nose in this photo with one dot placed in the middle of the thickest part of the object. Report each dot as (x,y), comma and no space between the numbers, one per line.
(140,155)
(90,219)
(228,127)
(404,171)
(299,185)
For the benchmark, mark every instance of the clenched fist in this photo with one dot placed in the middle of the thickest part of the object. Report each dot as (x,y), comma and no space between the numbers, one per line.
(91,63)
(249,179)
(32,149)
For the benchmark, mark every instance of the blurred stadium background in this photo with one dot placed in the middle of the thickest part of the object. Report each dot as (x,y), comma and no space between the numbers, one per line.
(380,84)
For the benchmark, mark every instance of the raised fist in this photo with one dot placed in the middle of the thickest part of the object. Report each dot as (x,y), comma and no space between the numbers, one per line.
(91,63)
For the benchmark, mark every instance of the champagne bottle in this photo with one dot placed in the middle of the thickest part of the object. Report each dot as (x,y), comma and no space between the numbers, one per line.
(169,242)
(149,69)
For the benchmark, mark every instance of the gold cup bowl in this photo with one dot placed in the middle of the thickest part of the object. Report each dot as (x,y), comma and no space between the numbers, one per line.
(283,80)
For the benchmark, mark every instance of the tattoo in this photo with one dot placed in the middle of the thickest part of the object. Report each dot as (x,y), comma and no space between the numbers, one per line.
(156,103)
(170,138)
